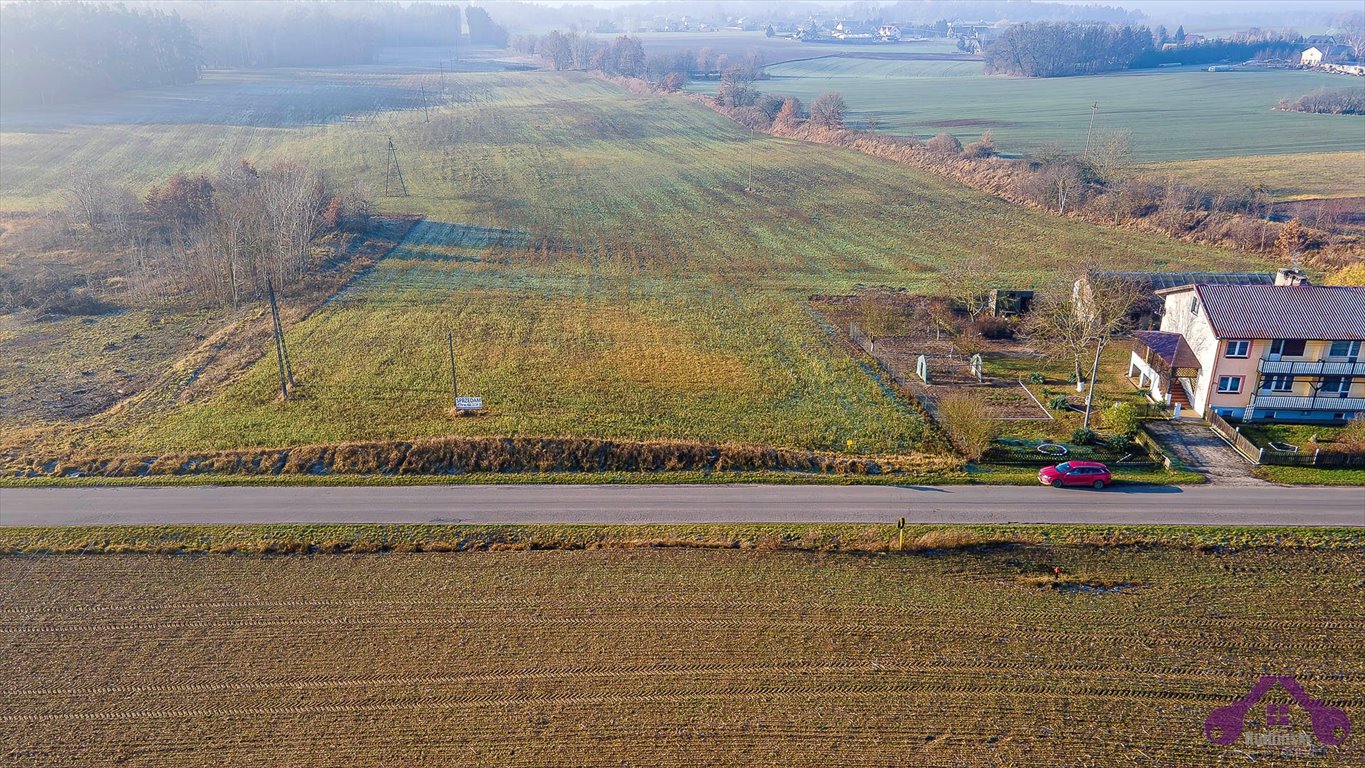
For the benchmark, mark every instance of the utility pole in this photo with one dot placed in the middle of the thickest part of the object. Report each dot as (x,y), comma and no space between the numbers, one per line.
(454,392)
(281,351)
(392,170)
(1093,109)
(426,114)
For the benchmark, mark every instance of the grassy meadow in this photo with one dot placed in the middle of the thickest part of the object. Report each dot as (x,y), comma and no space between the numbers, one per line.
(951,655)
(612,265)
(1183,114)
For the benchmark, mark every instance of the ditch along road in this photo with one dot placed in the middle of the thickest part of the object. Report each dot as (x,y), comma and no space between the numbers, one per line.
(1122,505)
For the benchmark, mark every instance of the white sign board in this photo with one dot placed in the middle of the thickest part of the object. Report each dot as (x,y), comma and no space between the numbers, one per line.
(469,403)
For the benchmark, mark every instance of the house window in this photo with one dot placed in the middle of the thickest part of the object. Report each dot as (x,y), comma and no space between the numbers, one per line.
(1239,348)
(1350,349)
(1229,385)
(1287,347)
(1277,383)
(1194,306)
(1335,384)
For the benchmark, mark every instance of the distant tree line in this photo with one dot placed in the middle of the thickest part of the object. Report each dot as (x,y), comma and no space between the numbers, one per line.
(625,56)
(61,52)
(1322,101)
(1051,49)
(314,33)
(483,30)
(1060,49)
(1218,51)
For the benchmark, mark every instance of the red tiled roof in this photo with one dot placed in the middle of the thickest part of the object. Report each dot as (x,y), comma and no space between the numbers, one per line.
(1284,311)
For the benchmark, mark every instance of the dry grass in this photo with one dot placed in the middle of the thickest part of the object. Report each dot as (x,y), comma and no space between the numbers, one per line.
(665,657)
(616,266)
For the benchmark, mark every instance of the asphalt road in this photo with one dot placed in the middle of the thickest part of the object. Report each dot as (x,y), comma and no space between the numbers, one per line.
(1197,505)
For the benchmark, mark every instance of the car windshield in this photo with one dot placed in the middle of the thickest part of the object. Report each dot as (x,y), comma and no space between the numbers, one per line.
(1064,467)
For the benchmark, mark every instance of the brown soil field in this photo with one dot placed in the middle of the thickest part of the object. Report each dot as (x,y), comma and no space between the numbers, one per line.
(671,656)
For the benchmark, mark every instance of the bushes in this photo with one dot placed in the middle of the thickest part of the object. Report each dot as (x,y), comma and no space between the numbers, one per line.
(1123,420)
(827,111)
(944,144)
(1350,101)
(982,148)
(968,423)
(994,328)
(1084,436)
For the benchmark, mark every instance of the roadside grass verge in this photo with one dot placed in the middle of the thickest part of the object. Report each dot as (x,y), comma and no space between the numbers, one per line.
(813,537)
(975,475)
(1311,476)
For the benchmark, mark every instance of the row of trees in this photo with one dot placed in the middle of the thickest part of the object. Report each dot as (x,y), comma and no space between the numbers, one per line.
(1103,183)
(625,56)
(219,239)
(1350,101)
(59,52)
(1045,49)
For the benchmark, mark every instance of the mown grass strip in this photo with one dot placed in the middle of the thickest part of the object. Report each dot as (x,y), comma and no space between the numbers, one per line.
(313,539)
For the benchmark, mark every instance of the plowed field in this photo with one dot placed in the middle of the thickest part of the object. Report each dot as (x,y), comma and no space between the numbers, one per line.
(668,657)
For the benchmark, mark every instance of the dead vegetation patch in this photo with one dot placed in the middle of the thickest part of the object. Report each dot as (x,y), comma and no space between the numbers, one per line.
(460,455)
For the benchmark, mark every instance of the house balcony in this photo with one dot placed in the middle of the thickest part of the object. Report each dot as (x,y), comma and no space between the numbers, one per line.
(1328,402)
(1312,368)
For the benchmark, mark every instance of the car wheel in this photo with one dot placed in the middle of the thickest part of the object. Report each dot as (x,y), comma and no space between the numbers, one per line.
(1099,484)
(1057,483)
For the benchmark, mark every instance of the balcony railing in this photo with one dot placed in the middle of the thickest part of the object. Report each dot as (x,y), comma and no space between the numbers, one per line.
(1328,402)
(1314,368)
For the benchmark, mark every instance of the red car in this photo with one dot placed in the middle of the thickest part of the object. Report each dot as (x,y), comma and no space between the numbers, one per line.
(1091,473)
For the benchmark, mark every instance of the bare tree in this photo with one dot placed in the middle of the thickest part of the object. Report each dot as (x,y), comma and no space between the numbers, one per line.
(968,283)
(828,110)
(1353,34)
(1104,311)
(1059,334)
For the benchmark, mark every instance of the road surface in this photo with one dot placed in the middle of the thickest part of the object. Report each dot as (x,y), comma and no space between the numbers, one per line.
(1195,505)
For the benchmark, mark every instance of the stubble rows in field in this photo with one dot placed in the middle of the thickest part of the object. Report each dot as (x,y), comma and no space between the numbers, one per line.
(664,657)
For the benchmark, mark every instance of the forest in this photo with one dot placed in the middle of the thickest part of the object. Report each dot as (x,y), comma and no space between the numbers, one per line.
(1048,49)
(62,52)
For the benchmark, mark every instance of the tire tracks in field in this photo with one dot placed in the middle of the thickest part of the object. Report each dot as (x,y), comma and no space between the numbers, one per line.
(573,698)
(989,623)
(599,671)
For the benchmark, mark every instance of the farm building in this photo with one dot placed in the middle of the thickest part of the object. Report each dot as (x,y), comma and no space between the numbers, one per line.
(1289,352)
(1327,54)
(1147,311)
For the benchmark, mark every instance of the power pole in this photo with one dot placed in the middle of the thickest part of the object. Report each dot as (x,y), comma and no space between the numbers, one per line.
(1093,109)
(454,392)
(426,114)
(393,170)
(281,351)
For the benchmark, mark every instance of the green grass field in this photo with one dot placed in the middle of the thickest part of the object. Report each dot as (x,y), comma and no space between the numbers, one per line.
(612,265)
(1181,114)
(949,656)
